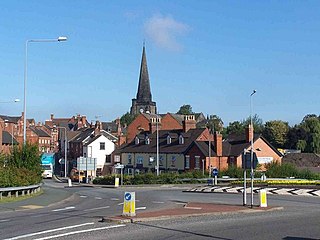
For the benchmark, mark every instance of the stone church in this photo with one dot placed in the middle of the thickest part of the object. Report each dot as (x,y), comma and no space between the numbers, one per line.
(143,102)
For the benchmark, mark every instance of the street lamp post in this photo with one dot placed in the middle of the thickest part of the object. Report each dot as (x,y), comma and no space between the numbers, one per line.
(251,156)
(157,129)
(65,149)
(59,39)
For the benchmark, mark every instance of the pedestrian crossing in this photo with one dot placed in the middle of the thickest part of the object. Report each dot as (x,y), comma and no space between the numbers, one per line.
(269,190)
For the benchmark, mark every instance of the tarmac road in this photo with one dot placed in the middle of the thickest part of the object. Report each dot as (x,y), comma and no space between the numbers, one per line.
(77,213)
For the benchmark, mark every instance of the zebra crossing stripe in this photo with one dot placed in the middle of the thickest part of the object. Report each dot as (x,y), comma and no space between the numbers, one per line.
(274,190)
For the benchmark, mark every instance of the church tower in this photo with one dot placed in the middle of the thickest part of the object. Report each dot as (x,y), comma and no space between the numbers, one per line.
(143,102)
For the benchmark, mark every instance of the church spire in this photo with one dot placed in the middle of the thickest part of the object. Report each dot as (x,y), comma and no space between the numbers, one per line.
(144,92)
(143,103)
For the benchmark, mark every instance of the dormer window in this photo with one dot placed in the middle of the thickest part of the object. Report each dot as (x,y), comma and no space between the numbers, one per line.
(147,140)
(181,139)
(137,140)
(168,139)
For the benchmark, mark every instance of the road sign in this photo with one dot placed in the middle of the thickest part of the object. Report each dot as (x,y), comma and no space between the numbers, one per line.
(119,166)
(215,172)
(246,160)
(129,208)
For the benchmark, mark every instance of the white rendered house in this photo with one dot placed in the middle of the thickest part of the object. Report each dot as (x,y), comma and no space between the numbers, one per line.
(100,147)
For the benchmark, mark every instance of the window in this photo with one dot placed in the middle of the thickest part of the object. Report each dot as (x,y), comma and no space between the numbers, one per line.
(136,140)
(108,158)
(129,159)
(116,158)
(140,160)
(151,160)
(102,146)
(161,160)
(99,172)
(147,140)
(181,139)
(187,162)
(197,162)
(173,161)
(168,140)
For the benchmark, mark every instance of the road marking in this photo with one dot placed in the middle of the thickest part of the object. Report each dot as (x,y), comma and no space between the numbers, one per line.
(98,198)
(32,206)
(120,204)
(49,231)
(156,202)
(5,220)
(137,200)
(180,203)
(114,199)
(83,196)
(80,231)
(196,208)
(91,209)
(141,208)
(63,209)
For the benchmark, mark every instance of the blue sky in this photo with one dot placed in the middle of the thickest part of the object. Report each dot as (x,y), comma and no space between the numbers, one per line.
(209,54)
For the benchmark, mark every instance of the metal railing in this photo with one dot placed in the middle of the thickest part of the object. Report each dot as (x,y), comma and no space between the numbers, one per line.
(16,191)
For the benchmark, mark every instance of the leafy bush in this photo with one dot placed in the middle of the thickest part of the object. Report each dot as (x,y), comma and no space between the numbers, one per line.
(21,168)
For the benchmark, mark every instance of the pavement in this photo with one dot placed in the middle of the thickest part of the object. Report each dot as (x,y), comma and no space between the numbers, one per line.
(189,210)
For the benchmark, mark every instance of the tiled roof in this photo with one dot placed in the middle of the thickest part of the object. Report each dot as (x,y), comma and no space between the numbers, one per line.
(10,119)
(39,132)
(7,138)
(302,159)
(174,147)
(82,135)
(109,126)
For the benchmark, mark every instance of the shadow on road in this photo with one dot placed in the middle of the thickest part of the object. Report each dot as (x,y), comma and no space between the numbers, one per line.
(181,231)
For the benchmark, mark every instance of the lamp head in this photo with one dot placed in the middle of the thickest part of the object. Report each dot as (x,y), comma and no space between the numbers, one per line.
(62,39)
(253,92)
(17,100)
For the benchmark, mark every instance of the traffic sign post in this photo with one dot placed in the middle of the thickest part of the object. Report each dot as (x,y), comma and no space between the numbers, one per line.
(215,173)
(129,208)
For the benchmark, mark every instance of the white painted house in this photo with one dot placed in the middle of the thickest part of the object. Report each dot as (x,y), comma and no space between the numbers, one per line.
(100,147)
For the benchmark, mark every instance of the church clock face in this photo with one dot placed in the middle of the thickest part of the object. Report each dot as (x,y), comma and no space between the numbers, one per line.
(141,110)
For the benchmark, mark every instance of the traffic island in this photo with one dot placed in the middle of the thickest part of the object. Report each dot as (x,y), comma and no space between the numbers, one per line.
(189,210)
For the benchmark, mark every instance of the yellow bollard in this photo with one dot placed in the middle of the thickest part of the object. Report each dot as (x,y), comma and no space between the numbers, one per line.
(263,198)
(116,182)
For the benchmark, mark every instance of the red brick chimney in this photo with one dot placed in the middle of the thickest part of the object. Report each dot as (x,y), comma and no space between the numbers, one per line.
(153,124)
(249,133)
(1,135)
(84,121)
(98,127)
(218,143)
(189,123)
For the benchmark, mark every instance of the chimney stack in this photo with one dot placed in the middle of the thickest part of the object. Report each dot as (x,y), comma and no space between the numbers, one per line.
(218,143)
(153,124)
(189,123)
(249,133)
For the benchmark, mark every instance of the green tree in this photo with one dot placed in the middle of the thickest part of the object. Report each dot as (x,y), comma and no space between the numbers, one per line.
(215,123)
(312,126)
(126,119)
(185,110)
(256,121)
(276,132)
(235,127)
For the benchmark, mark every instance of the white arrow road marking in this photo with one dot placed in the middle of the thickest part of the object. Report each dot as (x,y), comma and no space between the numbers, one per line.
(5,220)
(63,209)
(92,209)
(49,231)
(81,231)
(141,208)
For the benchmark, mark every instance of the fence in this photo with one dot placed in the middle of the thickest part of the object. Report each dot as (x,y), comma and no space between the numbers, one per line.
(16,191)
